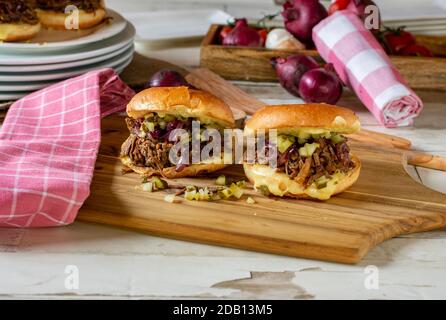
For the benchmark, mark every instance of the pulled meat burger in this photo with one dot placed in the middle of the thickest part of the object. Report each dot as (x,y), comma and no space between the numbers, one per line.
(154,113)
(52,12)
(18,20)
(313,158)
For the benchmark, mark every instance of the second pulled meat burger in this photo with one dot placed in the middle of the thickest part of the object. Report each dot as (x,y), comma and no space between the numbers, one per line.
(154,113)
(18,20)
(52,12)
(313,158)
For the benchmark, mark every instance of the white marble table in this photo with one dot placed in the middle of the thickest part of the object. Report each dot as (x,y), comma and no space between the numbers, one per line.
(113,263)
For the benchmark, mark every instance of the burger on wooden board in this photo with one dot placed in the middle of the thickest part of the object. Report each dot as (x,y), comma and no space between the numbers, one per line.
(153,114)
(313,158)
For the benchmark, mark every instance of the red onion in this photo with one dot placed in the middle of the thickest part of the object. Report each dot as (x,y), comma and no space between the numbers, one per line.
(321,86)
(301,16)
(172,125)
(167,78)
(359,6)
(242,35)
(291,69)
(155,134)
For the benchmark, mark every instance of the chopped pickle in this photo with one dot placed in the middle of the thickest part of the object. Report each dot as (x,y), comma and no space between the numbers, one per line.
(204,194)
(241,184)
(308,149)
(236,191)
(159,183)
(221,181)
(250,200)
(149,125)
(144,127)
(162,124)
(322,182)
(284,142)
(264,190)
(225,193)
(302,137)
(153,185)
(337,138)
(148,186)
(326,135)
(170,198)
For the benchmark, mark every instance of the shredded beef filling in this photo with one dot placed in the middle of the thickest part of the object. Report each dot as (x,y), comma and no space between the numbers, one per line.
(60,5)
(17,11)
(326,160)
(147,152)
(153,149)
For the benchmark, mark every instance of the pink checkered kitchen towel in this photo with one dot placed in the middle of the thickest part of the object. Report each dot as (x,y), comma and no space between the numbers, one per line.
(363,65)
(48,148)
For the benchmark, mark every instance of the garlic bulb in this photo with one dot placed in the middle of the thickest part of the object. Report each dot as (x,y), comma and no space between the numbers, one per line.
(282,39)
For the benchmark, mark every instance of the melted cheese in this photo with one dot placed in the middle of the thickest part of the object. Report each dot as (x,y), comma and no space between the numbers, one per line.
(279,183)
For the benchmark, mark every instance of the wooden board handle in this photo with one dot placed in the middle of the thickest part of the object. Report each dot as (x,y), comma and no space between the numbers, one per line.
(426,161)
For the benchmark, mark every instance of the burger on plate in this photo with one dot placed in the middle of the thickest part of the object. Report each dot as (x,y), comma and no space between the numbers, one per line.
(313,158)
(18,20)
(52,13)
(152,116)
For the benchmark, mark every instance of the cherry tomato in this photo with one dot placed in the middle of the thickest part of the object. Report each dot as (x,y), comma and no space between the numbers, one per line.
(338,5)
(263,34)
(398,39)
(416,50)
(224,32)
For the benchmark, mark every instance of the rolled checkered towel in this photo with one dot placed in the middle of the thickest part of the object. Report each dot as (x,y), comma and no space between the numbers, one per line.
(48,148)
(363,65)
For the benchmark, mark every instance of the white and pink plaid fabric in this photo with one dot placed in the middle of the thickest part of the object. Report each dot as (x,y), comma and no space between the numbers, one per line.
(363,65)
(48,148)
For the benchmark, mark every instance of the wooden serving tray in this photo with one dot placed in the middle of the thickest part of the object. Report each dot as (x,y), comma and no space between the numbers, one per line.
(244,63)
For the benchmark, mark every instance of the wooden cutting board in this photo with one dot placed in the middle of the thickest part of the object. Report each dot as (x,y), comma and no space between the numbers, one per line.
(384,203)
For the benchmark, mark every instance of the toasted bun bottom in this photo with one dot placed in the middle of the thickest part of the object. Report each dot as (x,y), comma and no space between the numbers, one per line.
(56,20)
(170,172)
(280,184)
(18,31)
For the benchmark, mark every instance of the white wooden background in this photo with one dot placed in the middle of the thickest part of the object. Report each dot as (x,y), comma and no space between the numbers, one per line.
(114,263)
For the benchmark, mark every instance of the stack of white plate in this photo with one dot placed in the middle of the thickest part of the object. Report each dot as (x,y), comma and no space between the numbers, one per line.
(53,56)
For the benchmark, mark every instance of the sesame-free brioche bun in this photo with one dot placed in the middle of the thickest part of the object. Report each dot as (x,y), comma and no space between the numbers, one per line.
(171,173)
(56,20)
(181,101)
(304,116)
(18,31)
(280,184)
